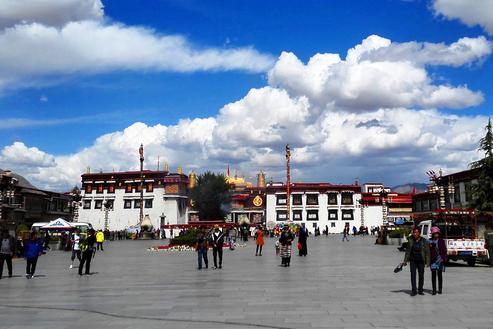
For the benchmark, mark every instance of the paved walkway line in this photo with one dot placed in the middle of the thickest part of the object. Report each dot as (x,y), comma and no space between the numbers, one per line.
(136,317)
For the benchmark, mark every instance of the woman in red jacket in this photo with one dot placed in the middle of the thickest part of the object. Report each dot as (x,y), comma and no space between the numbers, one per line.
(259,240)
(438,252)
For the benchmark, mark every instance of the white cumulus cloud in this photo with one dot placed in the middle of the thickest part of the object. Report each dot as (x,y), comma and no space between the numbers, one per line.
(470,12)
(49,12)
(344,118)
(71,37)
(377,73)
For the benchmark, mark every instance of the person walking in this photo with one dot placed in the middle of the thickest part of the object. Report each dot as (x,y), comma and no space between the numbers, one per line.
(438,255)
(285,242)
(100,240)
(217,241)
(33,248)
(201,247)
(7,251)
(259,240)
(75,248)
(46,242)
(302,237)
(232,235)
(345,233)
(418,256)
(87,250)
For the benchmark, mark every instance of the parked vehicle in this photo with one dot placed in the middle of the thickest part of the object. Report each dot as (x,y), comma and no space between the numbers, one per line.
(458,229)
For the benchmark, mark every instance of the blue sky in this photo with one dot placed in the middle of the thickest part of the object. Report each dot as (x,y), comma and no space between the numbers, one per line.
(63,113)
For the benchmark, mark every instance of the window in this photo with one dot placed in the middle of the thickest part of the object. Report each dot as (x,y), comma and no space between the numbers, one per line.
(149,187)
(332,198)
(332,214)
(139,187)
(87,204)
(110,204)
(89,188)
(312,199)
(111,188)
(281,199)
(98,204)
(297,199)
(347,198)
(312,215)
(457,193)
(332,224)
(137,204)
(468,190)
(433,204)
(99,189)
(297,215)
(282,215)
(148,203)
(128,188)
(347,215)
(127,204)
(425,205)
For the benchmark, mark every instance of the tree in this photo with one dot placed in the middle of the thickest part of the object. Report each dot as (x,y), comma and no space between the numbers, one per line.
(483,189)
(210,196)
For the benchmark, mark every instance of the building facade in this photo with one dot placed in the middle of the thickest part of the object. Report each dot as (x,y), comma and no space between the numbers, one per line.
(112,200)
(21,203)
(316,205)
(381,206)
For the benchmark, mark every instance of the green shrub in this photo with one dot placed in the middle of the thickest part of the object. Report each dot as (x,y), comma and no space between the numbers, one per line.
(187,239)
(399,233)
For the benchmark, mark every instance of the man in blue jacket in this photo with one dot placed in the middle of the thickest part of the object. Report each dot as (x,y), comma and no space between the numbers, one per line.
(33,248)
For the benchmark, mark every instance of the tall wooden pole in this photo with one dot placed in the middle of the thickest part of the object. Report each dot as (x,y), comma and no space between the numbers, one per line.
(141,153)
(288,182)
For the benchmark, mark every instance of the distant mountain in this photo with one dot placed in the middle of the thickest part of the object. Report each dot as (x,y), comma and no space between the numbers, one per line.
(408,188)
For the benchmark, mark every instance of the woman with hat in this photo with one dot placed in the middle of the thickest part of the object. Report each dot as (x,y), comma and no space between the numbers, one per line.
(438,253)
(285,242)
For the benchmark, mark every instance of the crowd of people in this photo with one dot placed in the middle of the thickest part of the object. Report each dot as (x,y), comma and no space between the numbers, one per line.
(420,253)
(82,245)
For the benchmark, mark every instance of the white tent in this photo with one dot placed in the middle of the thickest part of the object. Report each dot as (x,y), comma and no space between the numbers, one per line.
(58,224)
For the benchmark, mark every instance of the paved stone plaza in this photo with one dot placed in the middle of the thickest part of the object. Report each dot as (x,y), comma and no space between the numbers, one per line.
(339,285)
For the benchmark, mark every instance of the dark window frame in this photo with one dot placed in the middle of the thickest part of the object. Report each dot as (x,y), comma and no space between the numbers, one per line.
(308,212)
(146,203)
(87,204)
(297,197)
(332,211)
(329,200)
(98,204)
(281,197)
(127,204)
(346,194)
(312,195)
(347,211)
(137,204)
(300,212)
(279,212)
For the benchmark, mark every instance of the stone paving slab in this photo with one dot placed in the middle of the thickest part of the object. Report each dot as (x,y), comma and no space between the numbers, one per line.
(339,285)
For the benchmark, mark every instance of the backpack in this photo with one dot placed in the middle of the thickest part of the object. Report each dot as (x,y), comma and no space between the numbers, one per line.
(83,245)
